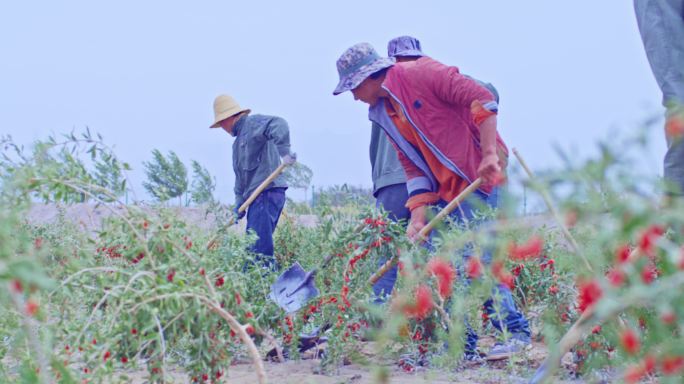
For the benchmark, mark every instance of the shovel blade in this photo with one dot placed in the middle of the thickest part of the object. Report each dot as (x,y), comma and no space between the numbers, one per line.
(293,289)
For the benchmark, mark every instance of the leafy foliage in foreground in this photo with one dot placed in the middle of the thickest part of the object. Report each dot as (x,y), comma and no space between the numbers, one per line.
(149,290)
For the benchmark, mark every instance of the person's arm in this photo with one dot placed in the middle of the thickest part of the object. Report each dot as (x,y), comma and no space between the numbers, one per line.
(278,131)
(420,195)
(489,169)
(463,91)
(376,131)
(239,192)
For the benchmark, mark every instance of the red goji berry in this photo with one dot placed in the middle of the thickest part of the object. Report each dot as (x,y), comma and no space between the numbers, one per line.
(590,292)
(672,365)
(31,307)
(630,341)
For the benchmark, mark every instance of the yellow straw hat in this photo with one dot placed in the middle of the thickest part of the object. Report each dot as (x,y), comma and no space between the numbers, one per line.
(225,107)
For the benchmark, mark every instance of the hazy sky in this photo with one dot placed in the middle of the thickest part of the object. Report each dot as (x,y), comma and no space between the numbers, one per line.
(144,73)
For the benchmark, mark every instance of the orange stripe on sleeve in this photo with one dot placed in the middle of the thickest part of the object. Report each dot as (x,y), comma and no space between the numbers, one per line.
(422,199)
(479,112)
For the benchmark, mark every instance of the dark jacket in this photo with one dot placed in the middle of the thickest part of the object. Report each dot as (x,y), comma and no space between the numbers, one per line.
(260,142)
(387,170)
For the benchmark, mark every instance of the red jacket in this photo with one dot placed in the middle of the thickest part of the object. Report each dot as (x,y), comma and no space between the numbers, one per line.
(445,108)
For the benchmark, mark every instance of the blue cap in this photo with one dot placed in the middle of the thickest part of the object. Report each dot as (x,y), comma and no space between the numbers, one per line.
(404,46)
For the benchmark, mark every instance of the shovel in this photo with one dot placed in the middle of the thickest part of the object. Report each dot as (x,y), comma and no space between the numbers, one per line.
(295,287)
(251,199)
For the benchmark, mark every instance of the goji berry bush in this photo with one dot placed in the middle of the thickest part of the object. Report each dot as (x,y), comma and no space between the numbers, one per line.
(147,290)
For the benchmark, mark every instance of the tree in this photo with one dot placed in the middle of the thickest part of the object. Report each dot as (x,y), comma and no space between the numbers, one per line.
(341,195)
(109,175)
(298,176)
(167,176)
(203,185)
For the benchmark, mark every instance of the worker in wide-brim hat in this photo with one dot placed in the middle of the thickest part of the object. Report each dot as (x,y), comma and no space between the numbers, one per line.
(443,127)
(261,143)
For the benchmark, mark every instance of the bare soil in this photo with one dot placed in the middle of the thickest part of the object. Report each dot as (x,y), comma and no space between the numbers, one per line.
(306,371)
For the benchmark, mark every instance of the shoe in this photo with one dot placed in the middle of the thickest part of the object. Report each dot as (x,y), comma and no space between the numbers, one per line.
(411,362)
(472,359)
(501,351)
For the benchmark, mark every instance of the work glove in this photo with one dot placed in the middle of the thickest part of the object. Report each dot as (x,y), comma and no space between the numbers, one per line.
(238,215)
(290,159)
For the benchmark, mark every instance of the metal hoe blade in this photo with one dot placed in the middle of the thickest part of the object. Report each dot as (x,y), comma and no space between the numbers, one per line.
(294,288)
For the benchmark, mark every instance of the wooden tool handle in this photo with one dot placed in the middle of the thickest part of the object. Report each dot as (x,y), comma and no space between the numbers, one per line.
(261,187)
(426,229)
(450,208)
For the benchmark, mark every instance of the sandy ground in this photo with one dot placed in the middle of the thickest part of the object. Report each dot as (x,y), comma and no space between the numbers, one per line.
(306,372)
(303,372)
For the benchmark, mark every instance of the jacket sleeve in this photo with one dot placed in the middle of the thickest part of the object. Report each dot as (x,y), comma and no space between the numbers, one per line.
(278,131)
(238,197)
(417,184)
(239,192)
(376,131)
(457,89)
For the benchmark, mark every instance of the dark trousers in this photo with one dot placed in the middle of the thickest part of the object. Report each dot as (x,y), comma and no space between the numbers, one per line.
(392,199)
(513,320)
(262,218)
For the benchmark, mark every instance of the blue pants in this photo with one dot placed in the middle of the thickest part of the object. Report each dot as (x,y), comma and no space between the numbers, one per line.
(393,199)
(262,218)
(514,321)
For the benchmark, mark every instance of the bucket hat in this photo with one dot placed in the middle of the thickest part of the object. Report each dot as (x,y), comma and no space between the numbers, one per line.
(356,64)
(404,46)
(224,107)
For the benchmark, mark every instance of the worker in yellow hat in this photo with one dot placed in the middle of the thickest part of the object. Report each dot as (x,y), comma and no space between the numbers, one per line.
(261,143)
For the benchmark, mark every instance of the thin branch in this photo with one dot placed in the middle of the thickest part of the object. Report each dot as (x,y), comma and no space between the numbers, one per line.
(92,315)
(128,285)
(82,271)
(237,328)
(162,340)
(148,342)
(232,323)
(123,217)
(554,212)
(267,335)
(183,251)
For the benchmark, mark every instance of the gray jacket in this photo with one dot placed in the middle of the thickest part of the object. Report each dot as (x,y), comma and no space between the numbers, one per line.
(260,142)
(387,169)
(661,23)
